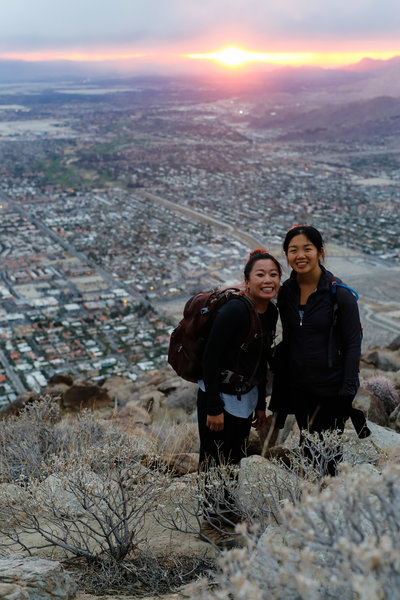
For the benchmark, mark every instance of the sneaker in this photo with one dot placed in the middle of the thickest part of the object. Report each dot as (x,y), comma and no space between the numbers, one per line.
(212,533)
(231,518)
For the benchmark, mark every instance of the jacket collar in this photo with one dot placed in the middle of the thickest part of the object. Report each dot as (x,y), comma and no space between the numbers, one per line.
(323,283)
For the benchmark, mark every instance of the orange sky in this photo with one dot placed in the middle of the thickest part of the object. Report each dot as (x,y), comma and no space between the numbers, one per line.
(166,32)
(230,56)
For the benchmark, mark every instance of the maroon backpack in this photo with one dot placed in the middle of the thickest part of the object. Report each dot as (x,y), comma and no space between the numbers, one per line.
(189,338)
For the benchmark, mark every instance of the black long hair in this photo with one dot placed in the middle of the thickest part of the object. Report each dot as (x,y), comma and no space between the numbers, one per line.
(309,231)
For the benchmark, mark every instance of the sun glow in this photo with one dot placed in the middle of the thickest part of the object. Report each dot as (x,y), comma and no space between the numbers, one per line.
(233,57)
(236,57)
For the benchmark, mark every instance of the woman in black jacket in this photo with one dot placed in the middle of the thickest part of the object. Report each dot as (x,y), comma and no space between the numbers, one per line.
(318,359)
(232,393)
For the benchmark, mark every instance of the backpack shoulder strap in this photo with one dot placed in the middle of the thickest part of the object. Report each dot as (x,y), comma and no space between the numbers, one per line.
(255,325)
(253,334)
(335,283)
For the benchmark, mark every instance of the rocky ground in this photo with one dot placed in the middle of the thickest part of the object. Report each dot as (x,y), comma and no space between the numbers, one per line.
(156,407)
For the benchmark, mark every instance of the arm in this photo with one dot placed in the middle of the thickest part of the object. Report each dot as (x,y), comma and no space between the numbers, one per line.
(260,417)
(229,327)
(350,332)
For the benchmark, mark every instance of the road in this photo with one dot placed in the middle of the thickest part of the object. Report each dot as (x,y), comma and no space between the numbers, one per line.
(19,386)
(230,230)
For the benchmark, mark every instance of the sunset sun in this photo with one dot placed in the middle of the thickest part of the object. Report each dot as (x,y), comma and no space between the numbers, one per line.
(232,56)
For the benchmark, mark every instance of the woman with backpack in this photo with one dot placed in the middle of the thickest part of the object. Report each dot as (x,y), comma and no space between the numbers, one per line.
(232,392)
(317,362)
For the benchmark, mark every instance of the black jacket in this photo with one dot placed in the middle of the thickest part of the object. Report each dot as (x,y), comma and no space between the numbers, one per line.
(303,364)
(222,352)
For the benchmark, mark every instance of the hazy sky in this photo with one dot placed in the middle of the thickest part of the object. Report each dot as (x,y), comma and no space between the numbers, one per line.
(57,28)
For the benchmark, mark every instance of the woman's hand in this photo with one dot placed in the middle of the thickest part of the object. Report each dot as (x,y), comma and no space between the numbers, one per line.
(215,422)
(260,419)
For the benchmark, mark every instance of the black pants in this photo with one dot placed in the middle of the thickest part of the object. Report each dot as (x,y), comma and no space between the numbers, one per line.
(226,446)
(220,448)
(316,414)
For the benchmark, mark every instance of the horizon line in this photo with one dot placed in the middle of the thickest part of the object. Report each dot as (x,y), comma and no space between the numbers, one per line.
(230,57)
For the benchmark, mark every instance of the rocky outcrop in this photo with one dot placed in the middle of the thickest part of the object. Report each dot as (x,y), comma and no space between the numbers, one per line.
(80,396)
(394,344)
(383,359)
(19,404)
(371,406)
(64,378)
(33,578)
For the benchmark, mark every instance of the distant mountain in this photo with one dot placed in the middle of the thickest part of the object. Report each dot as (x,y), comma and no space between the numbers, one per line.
(18,71)
(372,118)
(372,64)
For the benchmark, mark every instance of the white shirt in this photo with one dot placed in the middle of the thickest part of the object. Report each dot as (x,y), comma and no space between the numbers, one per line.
(242,408)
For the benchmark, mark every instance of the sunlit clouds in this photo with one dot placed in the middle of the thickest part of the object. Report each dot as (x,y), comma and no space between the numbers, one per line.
(237,57)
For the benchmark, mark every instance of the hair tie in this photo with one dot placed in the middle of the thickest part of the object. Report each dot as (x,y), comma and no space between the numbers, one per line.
(302,225)
(257,251)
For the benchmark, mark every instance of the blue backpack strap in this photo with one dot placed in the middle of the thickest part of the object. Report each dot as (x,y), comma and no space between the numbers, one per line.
(335,284)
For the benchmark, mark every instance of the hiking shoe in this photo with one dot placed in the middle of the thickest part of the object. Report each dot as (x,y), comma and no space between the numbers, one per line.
(212,533)
(230,518)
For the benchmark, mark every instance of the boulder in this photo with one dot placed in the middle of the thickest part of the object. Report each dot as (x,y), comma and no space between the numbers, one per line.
(120,389)
(55,391)
(181,463)
(179,393)
(80,396)
(386,360)
(64,378)
(53,491)
(372,407)
(382,439)
(151,400)
(394,419)
(33,578)
(394,344)
(130,414)
(262,482)
(16,407)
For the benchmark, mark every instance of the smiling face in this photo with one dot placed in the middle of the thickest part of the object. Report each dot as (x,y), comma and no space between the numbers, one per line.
(303,256)
(263,282)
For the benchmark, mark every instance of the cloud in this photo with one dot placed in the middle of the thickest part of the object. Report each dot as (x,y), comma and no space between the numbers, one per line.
(45,24)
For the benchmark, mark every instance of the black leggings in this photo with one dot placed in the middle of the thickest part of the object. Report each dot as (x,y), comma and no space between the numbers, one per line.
(316,414)
(226,446)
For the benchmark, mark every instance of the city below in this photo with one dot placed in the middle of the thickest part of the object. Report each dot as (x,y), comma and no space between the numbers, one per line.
(117,204)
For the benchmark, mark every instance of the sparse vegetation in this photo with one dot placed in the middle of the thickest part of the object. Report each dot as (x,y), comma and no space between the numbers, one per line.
(81,488)
(85,489)
(342,543)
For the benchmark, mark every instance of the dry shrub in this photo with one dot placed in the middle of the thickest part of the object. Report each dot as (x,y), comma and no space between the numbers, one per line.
(175,437)
(342,543)
(26,440)
(85,488)
(141,575)
(92,504)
